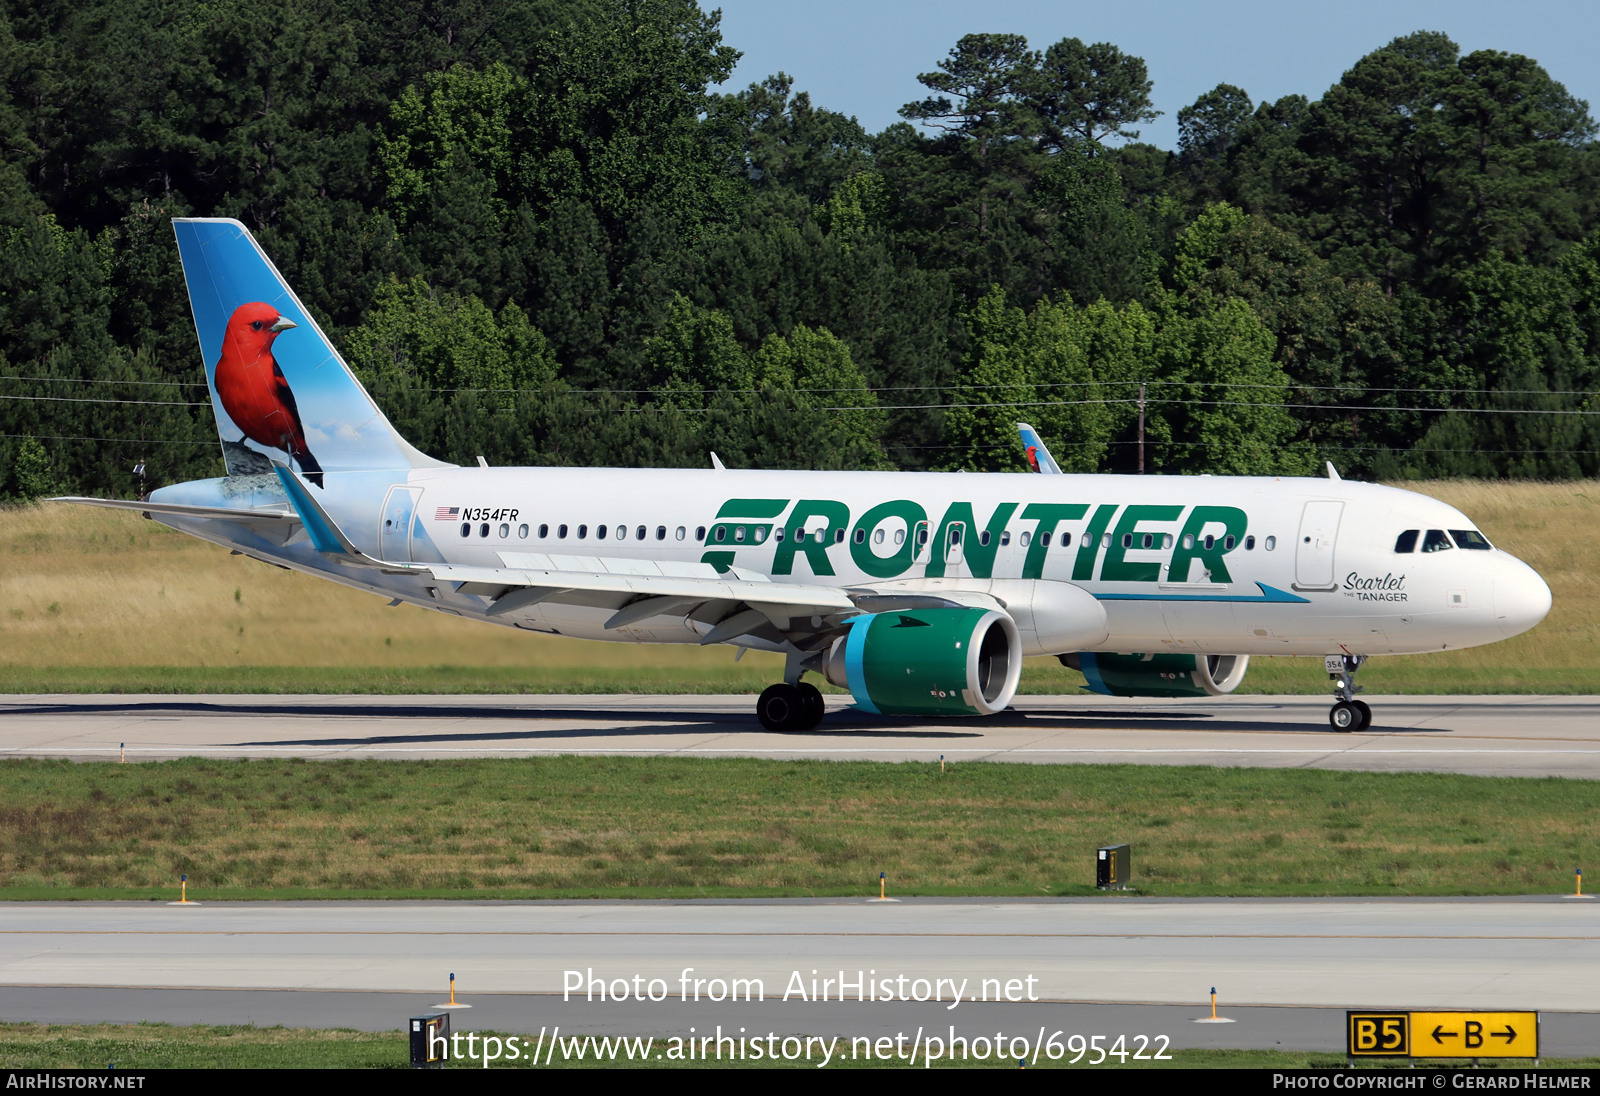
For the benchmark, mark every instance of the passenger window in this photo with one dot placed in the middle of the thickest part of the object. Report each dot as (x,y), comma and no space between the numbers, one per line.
(1270,543)
(899,536)
(860,535)
(1188,541)
(1250,544)
(599,532)
(1066,539)
(1470,539)
(1209,541)
(1005,538)
(1406,541)
(505,531)
(544,531)
(738,534)
(1024,539)
(661,532)
(483,530)
(778,534)
(1044,539)
(877,536)
(838,536)
(1228,542)
(583,532)
(1127,540)
(1166,540)
(983,538)
(466,529)
(722,533)
(1436,541)
(561,532)
(522,532)
(700,533)
(1105,541)
(922,535)
(681,532)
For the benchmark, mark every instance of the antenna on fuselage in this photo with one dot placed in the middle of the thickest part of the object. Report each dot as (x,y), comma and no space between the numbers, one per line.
(1333,473)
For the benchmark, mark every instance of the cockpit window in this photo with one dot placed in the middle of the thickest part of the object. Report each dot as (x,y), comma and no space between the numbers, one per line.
(1406,541)
(1470,538)
(1436,541)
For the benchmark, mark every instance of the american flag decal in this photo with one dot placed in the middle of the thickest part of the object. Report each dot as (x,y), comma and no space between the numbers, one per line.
(446,513)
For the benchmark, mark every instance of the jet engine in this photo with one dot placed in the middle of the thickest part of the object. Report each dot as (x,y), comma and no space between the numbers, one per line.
(1159,675)
(939,662)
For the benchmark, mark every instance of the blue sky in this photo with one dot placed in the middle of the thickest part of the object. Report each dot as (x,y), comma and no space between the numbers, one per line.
(862,57)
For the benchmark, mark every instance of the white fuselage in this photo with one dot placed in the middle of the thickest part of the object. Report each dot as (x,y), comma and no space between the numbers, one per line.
(1201,564)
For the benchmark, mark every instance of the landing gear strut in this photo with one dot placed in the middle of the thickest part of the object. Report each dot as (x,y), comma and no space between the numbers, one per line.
(786,707)
(1347,713)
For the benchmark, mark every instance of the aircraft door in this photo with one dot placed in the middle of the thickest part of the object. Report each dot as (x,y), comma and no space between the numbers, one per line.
(952,546)
(920,547)
(394,531)
(1313,552)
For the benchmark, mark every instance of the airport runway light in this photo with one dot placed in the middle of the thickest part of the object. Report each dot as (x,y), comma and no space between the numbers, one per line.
(883,886)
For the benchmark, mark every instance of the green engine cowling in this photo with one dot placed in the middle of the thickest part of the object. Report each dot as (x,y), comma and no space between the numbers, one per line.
(939,662)
(1159,675)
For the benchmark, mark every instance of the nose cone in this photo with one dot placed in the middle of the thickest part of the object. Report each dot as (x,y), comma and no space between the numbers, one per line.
(1521,597)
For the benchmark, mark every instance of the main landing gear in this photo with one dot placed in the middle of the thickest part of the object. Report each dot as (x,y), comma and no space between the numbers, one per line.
(1347,713)
(786,707)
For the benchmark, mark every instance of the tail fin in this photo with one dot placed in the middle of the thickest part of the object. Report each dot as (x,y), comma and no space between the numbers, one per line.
(278,388)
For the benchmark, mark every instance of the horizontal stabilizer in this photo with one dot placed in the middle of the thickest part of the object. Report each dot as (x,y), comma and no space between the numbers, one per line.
(221,513)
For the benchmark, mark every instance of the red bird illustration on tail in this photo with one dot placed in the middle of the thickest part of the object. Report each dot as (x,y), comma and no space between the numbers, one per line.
(253,389)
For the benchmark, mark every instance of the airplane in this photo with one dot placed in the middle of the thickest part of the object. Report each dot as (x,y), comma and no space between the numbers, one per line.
(920,593)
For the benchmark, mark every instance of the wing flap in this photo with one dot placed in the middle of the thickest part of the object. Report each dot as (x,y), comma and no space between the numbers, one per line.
(700,587)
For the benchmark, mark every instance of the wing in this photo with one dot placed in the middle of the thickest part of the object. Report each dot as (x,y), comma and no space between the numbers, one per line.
(725,606)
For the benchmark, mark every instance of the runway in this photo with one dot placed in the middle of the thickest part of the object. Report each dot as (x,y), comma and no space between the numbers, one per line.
(1484,735)
(1284,969)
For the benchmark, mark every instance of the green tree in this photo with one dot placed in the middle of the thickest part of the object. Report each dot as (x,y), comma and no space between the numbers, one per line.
(1089,93)
(980,429)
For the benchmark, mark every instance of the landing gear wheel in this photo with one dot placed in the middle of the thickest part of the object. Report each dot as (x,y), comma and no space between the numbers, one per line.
(811,704)
(1348,713)
(782,707)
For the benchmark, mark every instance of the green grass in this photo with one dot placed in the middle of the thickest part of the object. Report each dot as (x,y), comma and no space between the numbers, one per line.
(101,601)
(617,827)
(160,1046)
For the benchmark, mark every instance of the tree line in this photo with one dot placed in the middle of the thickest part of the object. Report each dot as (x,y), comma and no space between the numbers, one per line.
(541,233)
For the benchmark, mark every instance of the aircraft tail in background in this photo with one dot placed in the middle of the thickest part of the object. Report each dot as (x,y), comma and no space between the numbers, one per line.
(279,389)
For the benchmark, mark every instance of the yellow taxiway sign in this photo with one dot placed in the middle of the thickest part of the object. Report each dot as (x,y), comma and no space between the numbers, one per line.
(1442,1034)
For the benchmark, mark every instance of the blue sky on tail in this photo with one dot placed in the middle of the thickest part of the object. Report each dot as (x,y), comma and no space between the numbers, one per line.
(862,57)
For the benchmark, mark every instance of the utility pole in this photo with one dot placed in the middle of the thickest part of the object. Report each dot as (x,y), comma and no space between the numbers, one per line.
(1141,429)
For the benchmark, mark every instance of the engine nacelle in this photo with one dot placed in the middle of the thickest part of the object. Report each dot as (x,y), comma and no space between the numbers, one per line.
(1159,675)
(948,662)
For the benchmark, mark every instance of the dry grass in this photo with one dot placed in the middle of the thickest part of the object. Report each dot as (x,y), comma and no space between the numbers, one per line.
(94,599)
(97,588)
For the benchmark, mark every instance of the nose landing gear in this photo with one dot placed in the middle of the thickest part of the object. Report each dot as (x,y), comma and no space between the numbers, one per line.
(1347,714)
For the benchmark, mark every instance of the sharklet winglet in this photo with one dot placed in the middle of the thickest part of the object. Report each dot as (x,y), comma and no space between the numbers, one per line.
(326,536)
